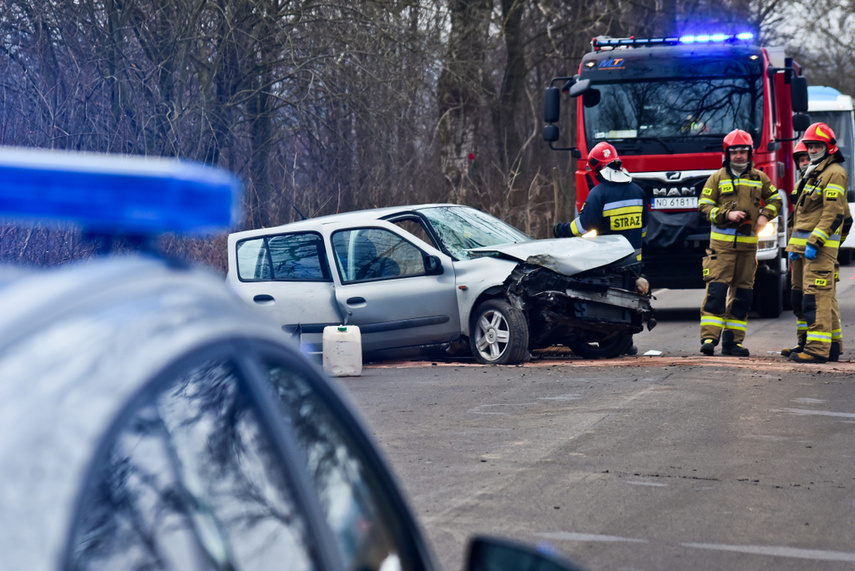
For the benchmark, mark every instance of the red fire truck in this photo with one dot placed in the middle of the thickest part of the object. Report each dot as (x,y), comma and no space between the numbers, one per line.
(666,105)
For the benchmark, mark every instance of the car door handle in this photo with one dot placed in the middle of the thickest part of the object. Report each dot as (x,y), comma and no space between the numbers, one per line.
(263,299)
(355,300)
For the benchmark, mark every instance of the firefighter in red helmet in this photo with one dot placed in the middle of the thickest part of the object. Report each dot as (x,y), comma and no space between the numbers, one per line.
(616,205)
(739,201)
(821,220)
(801,158)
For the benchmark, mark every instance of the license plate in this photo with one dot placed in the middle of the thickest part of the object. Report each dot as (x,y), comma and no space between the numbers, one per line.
(675,203)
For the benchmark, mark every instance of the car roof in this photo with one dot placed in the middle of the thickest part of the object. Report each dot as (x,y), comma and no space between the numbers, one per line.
(64,333)
(342,217)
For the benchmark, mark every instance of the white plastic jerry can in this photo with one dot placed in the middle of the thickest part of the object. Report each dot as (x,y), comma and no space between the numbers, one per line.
(342,348)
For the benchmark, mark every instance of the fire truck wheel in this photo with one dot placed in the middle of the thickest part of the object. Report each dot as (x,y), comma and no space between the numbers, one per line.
(769,293)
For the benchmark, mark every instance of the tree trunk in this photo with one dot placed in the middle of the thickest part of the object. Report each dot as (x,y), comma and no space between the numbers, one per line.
(460,93)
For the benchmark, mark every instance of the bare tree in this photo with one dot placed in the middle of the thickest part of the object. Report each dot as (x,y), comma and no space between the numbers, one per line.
(324,107)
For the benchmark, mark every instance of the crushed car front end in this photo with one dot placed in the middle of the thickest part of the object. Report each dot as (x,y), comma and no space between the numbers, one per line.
(595,304)
(586,293)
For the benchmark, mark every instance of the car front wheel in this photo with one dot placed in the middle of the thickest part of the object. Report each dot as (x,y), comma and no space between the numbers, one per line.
(499,333)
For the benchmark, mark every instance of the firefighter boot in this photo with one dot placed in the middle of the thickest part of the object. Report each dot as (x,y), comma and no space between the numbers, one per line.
(805,357)
(708,346)
(730,348)
(797,349)
(834,353)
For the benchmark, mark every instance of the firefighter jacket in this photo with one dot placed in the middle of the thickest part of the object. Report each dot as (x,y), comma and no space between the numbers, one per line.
(821,216)
(611,208)
(724,192)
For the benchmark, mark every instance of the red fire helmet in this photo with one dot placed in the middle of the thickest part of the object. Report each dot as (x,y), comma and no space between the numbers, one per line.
(738,138)
(821,133)
(799,149)
(601,155)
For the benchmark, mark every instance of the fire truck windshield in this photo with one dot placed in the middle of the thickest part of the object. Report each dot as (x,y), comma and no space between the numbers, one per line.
(672,100)
(674,116)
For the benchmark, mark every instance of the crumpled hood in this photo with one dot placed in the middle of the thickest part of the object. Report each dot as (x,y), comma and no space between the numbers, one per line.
(567,256)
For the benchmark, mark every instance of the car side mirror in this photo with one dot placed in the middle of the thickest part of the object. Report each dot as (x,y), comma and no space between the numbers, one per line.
(494,554)
(433,266)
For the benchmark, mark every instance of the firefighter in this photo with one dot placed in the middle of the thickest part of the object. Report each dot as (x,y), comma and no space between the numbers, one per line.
(739,201)
(820,219)
(616,205)
(801,158)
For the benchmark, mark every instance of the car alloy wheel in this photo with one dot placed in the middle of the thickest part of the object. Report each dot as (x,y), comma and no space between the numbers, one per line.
(499,333)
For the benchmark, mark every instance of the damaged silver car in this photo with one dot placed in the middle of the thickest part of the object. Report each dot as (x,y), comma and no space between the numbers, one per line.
(443,275)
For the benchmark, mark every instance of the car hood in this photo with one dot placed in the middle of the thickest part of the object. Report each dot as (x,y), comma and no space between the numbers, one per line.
(567,256)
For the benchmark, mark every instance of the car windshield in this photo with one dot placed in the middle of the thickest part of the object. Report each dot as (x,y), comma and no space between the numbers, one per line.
(462,228)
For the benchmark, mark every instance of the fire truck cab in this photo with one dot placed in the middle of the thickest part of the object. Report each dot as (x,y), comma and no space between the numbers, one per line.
(666,105)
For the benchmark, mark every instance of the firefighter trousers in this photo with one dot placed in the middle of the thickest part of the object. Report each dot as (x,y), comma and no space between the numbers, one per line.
(836,327)
(730,288)
(814,303)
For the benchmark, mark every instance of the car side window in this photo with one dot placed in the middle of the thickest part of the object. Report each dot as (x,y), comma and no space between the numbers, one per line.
(362,510)
(285,257)
(191,481)
(375,253)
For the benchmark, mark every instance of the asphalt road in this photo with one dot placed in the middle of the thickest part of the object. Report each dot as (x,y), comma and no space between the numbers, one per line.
(676,461)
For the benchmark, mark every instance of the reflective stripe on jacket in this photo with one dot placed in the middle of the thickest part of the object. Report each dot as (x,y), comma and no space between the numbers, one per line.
(612,208)
(821,211)
(751,192)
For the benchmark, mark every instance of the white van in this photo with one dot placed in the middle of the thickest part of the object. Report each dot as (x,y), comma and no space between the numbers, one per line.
(831,107)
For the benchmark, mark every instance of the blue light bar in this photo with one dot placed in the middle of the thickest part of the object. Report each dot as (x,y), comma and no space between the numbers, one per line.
(117,194)
(612,43)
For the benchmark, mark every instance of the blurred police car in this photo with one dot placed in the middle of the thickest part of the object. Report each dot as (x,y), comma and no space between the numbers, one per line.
(151,420)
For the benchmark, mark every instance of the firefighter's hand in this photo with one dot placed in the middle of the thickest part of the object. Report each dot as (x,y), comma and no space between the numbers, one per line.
(761,223)
(810,252)
(556,229)
(736,215)
(794,255)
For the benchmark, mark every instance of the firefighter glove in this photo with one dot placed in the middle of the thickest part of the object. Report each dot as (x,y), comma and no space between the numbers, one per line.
(794,255)
(810,252)
(556,229)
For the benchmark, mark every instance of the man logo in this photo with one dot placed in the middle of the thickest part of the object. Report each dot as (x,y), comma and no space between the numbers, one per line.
(674,191)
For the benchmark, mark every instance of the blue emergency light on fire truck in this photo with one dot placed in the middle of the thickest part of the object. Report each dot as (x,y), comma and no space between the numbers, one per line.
(666,105)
